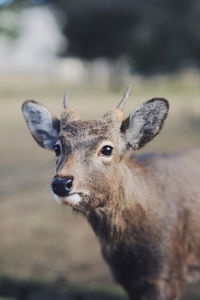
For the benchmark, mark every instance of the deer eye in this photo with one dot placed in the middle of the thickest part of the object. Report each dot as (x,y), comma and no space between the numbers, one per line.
(106,150)
(57,149)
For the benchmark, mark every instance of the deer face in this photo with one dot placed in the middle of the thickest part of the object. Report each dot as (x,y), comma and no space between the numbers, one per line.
(89,154)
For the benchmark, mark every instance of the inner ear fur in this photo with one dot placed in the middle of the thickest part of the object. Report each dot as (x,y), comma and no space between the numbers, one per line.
(145,122)
(42,125)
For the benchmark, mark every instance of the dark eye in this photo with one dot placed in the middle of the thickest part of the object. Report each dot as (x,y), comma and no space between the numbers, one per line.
(106,151)
(57,149)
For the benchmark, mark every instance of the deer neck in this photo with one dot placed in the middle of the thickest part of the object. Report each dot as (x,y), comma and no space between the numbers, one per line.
(125,207)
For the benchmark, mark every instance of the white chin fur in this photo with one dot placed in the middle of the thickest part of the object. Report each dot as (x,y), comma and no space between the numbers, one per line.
(71,199)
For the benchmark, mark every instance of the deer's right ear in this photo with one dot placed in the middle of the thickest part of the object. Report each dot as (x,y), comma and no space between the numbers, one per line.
(144,123)
(43,127)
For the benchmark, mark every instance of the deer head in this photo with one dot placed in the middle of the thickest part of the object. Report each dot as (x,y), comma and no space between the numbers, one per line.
(90,154)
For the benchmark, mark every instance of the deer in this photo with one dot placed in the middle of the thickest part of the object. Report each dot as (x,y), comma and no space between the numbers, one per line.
(144,208)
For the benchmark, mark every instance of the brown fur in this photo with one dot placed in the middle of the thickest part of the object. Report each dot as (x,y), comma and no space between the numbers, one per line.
(153,217)
(145,210)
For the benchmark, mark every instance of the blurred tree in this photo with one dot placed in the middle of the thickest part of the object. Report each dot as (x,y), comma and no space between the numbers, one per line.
(9,25)
(152,35)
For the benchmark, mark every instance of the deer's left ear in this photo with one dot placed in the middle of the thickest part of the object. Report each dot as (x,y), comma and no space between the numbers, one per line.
(43,127)
(144,123)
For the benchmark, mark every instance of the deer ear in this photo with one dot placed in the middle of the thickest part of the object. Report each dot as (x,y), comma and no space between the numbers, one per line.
(43,127)
(145,123)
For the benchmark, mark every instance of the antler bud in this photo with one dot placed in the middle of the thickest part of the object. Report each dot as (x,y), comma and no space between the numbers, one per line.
(123,100)
(116,115)
(67,115)
(65,99)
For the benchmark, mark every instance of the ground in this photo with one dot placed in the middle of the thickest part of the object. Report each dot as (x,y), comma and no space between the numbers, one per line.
(46,243)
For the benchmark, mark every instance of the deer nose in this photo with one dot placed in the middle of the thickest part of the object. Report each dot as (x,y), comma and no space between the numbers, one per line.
(62,186)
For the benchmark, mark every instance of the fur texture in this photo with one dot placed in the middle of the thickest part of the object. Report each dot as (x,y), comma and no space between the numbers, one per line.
(145,210)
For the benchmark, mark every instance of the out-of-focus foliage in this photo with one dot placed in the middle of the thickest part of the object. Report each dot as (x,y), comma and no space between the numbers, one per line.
(12,33)
(9,22)
(153,35)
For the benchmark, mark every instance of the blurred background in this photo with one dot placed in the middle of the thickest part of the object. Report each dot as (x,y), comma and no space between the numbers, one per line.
(94,49)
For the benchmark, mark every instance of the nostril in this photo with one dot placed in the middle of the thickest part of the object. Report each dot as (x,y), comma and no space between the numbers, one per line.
(68,183)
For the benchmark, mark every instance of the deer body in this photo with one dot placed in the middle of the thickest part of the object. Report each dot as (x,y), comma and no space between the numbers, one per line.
(159,243)
(145,209)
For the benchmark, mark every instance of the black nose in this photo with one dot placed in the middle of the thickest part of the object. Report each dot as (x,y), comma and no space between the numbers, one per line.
(62,186)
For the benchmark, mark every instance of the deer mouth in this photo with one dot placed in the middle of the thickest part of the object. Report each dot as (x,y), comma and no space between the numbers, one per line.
(75,199)
(71,199)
